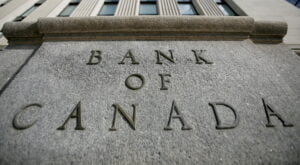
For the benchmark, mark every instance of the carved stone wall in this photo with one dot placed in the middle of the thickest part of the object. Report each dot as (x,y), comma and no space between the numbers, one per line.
(149,90)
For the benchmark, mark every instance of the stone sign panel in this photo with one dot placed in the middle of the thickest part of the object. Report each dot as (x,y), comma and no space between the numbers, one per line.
(153,102)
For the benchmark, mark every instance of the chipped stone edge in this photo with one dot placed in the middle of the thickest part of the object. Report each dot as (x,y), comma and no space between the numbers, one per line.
(145,28)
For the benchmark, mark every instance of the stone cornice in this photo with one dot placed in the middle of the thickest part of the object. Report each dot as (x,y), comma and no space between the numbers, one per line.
(268,32)
(144,28)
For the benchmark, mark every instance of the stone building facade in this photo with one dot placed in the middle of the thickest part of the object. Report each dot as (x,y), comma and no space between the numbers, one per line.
(149,82)
(270,10)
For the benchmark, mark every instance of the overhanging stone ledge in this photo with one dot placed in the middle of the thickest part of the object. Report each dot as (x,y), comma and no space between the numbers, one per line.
(144,28)
(146,24)
(22,33)
(268,31)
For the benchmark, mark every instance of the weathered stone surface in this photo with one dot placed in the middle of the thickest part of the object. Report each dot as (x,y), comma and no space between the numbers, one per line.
(146,24)
(22,29)
(269,31)
(11,59)
(58,78)
(20,33)
(145,28)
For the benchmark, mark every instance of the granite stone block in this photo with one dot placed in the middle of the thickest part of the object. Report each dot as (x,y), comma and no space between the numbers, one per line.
(11,59)
(61,85)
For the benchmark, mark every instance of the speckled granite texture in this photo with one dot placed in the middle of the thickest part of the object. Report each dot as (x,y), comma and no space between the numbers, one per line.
(57,78)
